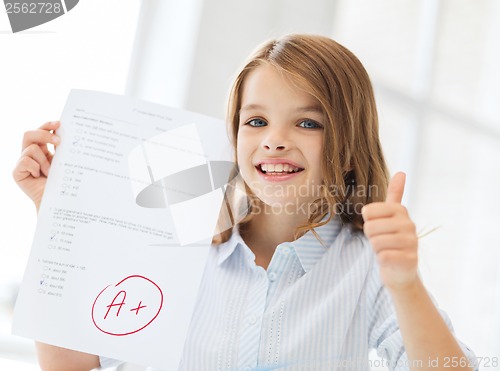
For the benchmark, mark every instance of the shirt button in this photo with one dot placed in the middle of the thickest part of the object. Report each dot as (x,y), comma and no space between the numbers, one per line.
(272,276)
(252,319)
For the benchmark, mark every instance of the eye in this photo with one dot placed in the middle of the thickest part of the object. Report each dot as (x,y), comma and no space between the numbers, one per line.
(310,124)
(257,123)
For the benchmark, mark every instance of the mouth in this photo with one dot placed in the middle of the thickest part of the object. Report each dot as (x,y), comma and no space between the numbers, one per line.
(278,169)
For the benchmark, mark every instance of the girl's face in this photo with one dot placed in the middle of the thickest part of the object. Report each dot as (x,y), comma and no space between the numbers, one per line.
(280,140)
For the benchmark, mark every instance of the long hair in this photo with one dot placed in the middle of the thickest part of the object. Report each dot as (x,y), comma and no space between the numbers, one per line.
(354,169)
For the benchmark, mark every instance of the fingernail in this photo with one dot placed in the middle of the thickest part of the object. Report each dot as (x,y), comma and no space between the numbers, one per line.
(56,139)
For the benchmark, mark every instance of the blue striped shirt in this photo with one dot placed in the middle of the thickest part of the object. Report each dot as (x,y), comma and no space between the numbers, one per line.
(318,306)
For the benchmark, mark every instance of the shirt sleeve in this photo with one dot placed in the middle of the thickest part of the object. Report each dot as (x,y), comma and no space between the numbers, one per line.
(385,335)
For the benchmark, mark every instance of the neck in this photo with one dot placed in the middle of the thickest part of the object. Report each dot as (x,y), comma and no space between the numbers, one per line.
(270,228)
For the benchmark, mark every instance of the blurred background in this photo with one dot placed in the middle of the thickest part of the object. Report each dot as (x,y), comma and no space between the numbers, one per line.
(434,65)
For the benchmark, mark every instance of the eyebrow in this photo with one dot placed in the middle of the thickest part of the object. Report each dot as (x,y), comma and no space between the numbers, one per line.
(313,108)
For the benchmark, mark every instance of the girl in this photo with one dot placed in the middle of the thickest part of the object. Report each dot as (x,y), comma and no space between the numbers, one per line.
(324,266)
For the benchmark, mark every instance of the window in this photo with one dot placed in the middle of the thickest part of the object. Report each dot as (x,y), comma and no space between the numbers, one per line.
(434,65)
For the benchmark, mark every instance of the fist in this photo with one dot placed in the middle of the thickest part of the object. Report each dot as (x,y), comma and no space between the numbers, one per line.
(33,166)
(393,237)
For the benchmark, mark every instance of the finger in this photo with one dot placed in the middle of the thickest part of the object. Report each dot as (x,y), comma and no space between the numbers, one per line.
(396,188)
(377,210)
(405,262)
(40,137)
(391,241)
(36,153)
(378,227)
(49,157)
(50,125)
(26,167)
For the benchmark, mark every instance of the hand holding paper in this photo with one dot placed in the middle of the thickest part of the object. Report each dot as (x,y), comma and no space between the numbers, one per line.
(32,169)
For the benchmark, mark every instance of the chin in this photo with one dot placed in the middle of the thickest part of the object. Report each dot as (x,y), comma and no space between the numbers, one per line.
(280,206)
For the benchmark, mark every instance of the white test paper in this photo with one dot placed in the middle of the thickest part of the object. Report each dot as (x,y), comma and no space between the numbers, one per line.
(124,229)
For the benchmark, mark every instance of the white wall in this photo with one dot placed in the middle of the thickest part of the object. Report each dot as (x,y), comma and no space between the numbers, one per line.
(431,62)
(194,71)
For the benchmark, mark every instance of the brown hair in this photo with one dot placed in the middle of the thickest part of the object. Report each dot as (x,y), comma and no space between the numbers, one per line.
(355,172)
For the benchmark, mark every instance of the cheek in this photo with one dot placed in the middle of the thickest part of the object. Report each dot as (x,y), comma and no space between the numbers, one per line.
(240,155)
(242,158)
(317,159)
(243,150)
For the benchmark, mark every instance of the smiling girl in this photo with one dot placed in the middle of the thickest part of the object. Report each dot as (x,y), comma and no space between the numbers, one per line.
(320,271)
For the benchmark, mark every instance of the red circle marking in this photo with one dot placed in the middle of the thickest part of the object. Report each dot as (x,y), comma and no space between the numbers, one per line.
(119,283)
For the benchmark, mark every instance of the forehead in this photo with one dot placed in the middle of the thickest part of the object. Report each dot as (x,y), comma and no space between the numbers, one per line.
(266,84)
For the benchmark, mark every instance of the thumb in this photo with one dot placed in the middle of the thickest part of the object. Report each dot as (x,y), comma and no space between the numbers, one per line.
(396,188)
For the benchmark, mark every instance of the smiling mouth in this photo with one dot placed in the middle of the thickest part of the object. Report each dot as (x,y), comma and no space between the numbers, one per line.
(278,169)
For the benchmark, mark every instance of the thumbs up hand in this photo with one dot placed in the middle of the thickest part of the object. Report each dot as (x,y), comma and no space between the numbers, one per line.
(393,237)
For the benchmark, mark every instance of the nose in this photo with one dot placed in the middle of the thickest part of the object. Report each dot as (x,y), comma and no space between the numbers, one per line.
(276,140)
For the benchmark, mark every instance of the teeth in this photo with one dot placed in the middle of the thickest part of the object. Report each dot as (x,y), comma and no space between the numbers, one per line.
(278,168)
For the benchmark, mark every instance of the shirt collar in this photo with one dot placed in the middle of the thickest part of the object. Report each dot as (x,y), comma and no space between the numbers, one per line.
(227,248)
(308,249)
